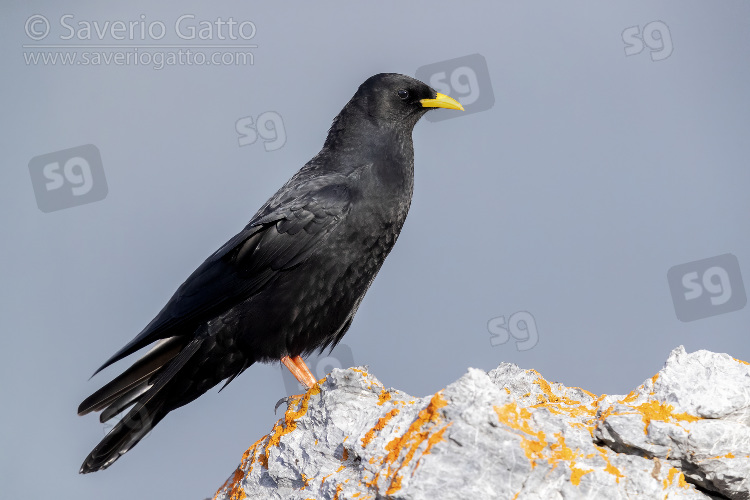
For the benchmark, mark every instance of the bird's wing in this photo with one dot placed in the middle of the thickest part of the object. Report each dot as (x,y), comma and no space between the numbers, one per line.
(283,234)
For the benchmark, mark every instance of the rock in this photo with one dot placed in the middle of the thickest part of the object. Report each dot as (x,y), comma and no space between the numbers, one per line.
(510,434)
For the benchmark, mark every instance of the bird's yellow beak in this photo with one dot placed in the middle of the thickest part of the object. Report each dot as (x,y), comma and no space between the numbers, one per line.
(441,101)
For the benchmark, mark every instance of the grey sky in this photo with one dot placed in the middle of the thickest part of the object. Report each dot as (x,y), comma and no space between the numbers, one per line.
(592,175)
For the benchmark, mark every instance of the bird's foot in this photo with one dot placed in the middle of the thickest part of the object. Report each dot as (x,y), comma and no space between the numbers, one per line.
(301,372)
(290,400)
(280,402)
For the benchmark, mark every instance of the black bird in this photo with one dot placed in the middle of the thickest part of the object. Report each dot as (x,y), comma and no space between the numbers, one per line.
(290,282)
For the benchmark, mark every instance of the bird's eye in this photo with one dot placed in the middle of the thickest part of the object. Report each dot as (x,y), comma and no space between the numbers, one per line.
(403,94)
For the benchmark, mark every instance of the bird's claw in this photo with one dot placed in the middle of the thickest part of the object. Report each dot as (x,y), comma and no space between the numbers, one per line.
(285,400)
(280,402)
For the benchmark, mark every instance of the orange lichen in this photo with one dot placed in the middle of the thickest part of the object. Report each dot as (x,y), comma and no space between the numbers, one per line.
(609,468)
(234,484)
(394,486)
(537,448)
(344,455)
(681,481)
(549,395)
(339,487)
(236,492)
(429,414)
(366,376)
(296,409)
(403,402)
(632,396)
(740,361)
(413,438)
(565,406)
(384,396)
(606,413)
(431,441)
(576,474)
(423,429)
(561,452)
(434,439)
(517,418)
(650,411)
(305,480)
(656,410)
(545,387)
(378,427)
(670,478)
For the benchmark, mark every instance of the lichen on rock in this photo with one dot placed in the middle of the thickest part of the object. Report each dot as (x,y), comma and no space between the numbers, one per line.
(509,433)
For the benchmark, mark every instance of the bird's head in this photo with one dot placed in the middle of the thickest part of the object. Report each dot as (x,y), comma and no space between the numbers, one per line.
(387,102)
(399,98)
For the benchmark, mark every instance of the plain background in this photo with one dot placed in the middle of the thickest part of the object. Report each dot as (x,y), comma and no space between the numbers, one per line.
(591,176)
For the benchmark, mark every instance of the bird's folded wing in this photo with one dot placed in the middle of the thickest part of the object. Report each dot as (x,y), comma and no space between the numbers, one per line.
(281,236)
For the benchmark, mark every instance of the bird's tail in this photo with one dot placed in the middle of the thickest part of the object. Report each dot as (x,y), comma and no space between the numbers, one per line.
(145,384)
(127,433)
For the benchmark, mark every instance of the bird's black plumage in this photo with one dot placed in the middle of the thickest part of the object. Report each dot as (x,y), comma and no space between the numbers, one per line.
(291,281)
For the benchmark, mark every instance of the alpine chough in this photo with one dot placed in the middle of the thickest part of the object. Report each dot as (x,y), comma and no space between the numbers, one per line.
(291,281)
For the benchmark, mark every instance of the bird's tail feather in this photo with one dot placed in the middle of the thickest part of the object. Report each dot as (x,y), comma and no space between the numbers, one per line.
(137,376)
(151,405)
(127,433)
(125,400)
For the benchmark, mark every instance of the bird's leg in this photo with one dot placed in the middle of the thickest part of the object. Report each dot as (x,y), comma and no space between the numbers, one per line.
(300,370)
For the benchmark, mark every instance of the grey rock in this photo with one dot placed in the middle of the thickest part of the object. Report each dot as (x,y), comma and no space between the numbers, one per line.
(694,415)
(510,434)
